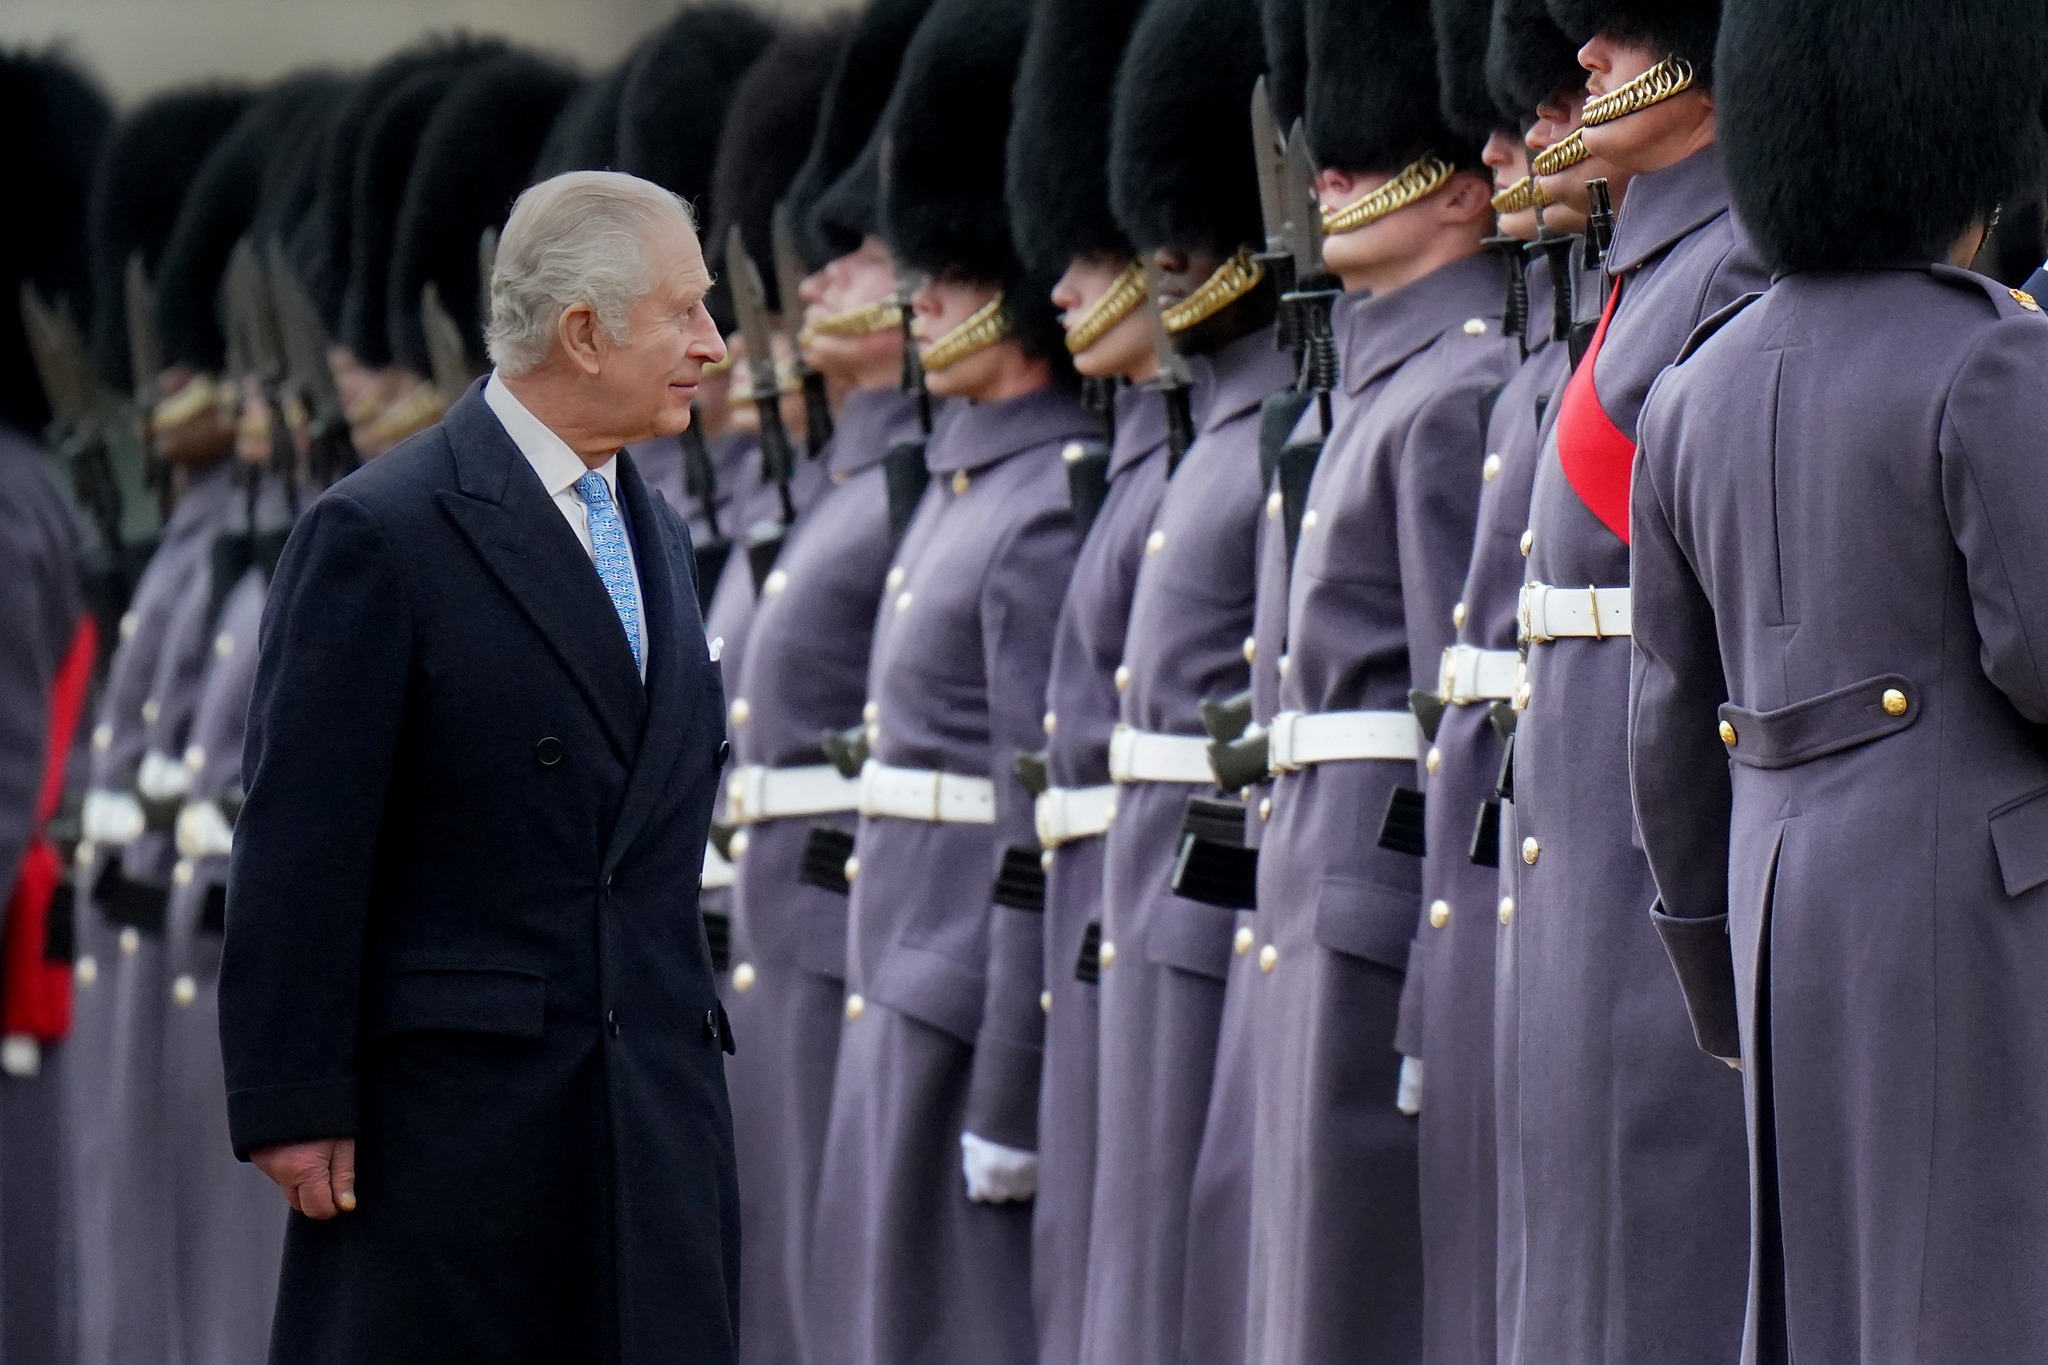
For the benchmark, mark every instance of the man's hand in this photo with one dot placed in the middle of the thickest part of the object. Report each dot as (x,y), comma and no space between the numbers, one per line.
(318,1177)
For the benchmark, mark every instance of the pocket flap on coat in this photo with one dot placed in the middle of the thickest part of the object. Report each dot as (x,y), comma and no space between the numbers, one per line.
(1191,936)
(2019,834)
(1368,921)
(932,989)
(504,1001)
(1820,726)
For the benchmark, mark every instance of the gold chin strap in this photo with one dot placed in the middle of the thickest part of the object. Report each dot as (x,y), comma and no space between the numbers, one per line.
(1659,83)
(1124,294)
(1561,156)
(983,329)
(1231,281)
(1420,180)
(201,392)
(1520,197)
(418,410)
(883,315)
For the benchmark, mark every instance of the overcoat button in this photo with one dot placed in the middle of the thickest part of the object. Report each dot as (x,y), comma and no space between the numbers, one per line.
(1727,732)
(1894,702)
(548,752)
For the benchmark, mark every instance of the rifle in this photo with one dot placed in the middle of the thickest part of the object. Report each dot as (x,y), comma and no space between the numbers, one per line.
(789,278)
(778,459)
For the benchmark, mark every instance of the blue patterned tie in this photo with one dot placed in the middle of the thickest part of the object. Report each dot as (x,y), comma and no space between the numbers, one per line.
(608,548)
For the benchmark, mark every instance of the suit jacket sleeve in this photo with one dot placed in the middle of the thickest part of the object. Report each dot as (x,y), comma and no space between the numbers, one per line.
(1677,765)
(1020,613)
(324,727)
(1992,461)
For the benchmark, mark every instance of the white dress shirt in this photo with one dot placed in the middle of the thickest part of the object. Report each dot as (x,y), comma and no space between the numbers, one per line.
(559,468)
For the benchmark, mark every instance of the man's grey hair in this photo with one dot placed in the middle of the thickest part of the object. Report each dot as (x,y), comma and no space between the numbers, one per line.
(578,238)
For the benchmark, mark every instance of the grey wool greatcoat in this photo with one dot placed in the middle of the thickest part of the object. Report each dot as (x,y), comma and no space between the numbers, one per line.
(1450,970)
(462,924)
(1080,715)
(803,672)
(943,1030)
(1871,818)
(1162,994)
(115,1065)
(227,1219)
(41,613)
(1628,1143)
(1336,1247)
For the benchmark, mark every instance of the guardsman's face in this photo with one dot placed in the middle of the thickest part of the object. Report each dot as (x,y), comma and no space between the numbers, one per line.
(648,382)
(1508,159)
(1650,139)
(1180,271)
(940,305)
(1125,351)
(855,280)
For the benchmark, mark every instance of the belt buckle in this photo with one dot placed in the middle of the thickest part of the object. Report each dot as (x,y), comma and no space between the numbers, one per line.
(1123,741)
(1280,742)
(1447,675)
(1593,604)
(1046,817)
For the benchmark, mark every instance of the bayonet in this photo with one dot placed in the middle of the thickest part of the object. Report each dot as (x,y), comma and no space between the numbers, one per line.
(331,451)
(1175,381)
(749,304)
(447,354)
(789,280)
(1314,291)
(1269,161)
(486,266)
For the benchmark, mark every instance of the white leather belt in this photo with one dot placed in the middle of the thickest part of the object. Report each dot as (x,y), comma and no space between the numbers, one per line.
(162,778)
(756,793)
(1140,756)
(1548,613)
(203,832)
(1299,739)
(718,873)
(1469,674)
(113,818)
(923,794)
(1069,813)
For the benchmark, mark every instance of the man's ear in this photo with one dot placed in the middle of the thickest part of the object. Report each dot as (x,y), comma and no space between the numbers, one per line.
(581,338)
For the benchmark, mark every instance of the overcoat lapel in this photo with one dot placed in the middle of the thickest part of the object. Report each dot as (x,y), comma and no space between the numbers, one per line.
(670,679)
(507,518)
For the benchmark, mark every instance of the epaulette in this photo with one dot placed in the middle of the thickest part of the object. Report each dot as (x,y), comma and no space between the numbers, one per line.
(2005,300)
(1714,324)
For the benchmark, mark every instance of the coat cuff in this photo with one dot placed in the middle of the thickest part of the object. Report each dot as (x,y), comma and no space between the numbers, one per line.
(1705,962)
(1408,1023)
(1002,1098)
(304,1111)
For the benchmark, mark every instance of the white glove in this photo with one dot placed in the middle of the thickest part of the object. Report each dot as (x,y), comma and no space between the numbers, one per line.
(1408,1095)
(997,1174)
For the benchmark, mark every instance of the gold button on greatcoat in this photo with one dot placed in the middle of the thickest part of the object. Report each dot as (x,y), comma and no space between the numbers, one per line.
(902,602)
(223,645)
(1528,542)
(150,711)
(102,736)
(960,482)
(852,868)
(1439,914)
(737,845)
(1269,958)
(1727,734)
(1052,721)
(1155,542)
(195,759)
(1045,861)
(184,991)
(87,971)
(1123,676)
(871,713)
(743,977)
(1265,808)
(1106,955)
(855,1007)
(130,941)
(1894,702)
(1309,519)
(1242,941)
(1507,909)
(1531,850)
(1282,665)
(895,579)
(739,711)
(1458,616)
(1491,469)
(1273,503)
(1073,452)
(1045,1002)
(129,621)
(1433,760)
(1251,648)
(181,875)
(1475,327)
(774,583)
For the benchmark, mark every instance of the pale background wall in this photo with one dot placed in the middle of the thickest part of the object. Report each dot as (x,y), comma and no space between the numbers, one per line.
(138,46)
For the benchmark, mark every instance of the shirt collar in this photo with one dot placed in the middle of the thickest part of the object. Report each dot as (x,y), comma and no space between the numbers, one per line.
(558,466)
(1663,207)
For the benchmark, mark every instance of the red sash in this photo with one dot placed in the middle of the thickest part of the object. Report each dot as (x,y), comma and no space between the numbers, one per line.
(35,993)
(1597,458)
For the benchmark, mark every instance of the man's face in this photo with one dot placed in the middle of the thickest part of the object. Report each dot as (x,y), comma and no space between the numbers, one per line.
(855,280)
(1649,140)
(1125,351)
(1181,270)
(940,305)
(647,383)
(1506,157)
(1556,119)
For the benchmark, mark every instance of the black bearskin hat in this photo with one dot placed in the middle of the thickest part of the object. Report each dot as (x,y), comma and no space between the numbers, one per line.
(1462,29)
(1373,102)
(679,87)
(390,145)
(473,160)
(1678,28)
(1180,159)
(586,133)
(57,119)
(833,201)
(1285,24)
(1874,132)
(1528,59)
(947,129)
(219,207)
(768,134)
(322,254)
(138,187)
(1059,136)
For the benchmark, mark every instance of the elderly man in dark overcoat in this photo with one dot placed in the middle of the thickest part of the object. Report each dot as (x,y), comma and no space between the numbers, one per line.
(466,1001)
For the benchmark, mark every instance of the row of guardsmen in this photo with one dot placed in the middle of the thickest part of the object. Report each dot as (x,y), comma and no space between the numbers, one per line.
(1327,611)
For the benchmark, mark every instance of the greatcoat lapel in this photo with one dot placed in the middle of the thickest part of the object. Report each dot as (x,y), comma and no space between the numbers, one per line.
(522,539)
